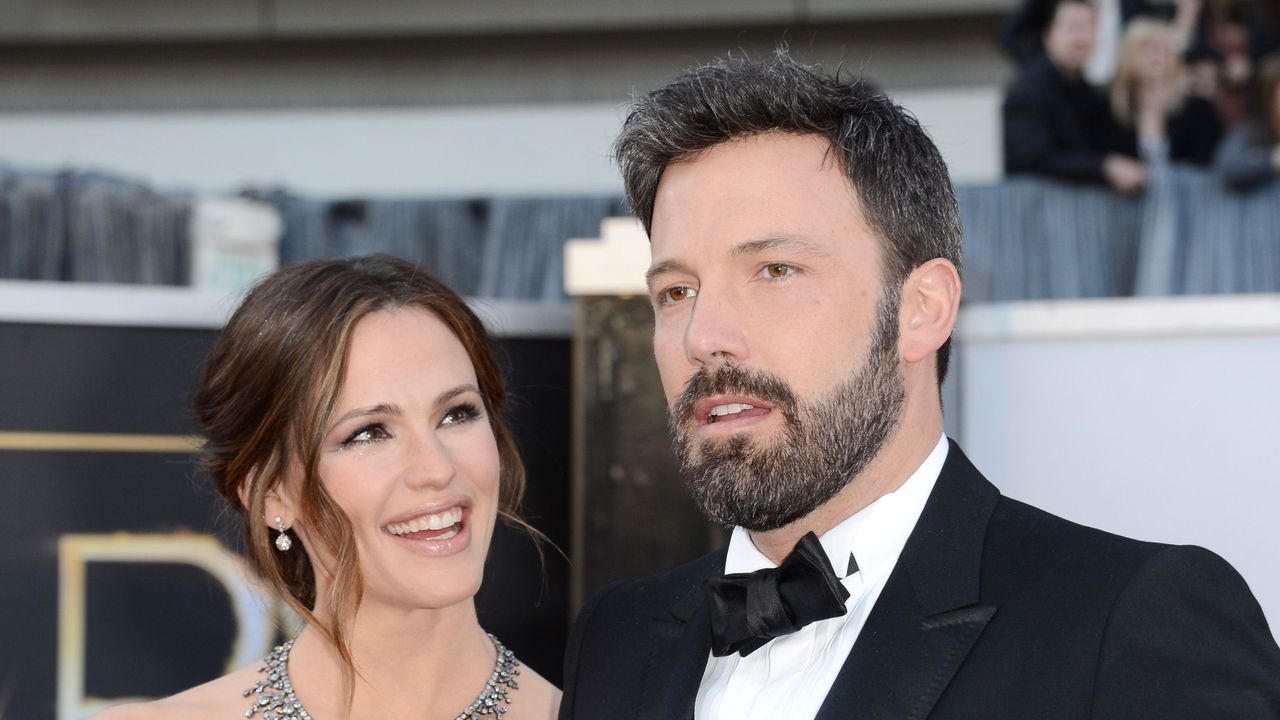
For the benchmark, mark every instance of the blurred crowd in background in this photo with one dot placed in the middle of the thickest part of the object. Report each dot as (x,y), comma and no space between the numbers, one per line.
(1111,91)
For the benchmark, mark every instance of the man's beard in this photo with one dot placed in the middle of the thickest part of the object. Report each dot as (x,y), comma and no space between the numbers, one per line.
(824,445)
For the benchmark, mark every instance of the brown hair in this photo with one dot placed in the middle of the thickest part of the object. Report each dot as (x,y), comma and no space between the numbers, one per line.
(269,390)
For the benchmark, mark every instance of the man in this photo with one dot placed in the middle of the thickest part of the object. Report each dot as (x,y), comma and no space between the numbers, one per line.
(1056,124)
(805,281)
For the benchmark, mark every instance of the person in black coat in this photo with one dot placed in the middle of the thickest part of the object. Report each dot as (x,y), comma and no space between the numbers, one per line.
(1055,124)
(805,241)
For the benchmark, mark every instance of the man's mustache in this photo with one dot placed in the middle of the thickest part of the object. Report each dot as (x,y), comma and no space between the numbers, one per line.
(733,380)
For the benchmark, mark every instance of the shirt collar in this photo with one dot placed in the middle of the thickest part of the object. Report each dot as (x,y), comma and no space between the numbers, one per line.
(875,535)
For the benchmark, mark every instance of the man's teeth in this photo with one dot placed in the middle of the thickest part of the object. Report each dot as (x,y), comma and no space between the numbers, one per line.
(728,409)
(438,521)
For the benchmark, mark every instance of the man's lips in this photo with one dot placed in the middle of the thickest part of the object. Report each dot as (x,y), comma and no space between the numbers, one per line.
(728,409)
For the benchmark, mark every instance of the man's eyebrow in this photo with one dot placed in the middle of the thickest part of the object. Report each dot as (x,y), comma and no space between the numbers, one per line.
(666,266)
(753,247)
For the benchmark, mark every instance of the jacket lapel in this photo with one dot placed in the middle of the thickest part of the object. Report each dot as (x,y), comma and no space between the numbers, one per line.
(927,619)
(680,643)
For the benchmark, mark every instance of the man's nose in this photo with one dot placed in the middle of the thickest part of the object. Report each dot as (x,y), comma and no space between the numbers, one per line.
(716,333)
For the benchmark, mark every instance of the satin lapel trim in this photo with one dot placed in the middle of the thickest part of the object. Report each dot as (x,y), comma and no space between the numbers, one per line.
(928,616)
(679,646)
(903,661)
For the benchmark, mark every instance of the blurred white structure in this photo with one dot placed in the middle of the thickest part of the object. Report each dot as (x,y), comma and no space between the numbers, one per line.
(233,241)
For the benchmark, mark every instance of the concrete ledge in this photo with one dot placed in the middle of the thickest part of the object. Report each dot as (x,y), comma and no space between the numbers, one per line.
(53,303)
(1119,318)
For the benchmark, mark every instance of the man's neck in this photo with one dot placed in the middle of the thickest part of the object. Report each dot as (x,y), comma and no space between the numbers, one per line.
(899,458)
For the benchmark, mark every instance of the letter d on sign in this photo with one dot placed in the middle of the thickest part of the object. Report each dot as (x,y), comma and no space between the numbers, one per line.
(254,616)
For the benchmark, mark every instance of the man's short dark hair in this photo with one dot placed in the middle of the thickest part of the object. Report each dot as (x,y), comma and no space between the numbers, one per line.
(896,171)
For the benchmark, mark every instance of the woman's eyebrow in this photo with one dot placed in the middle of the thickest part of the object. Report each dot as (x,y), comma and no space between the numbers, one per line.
(379,409)
(448,395)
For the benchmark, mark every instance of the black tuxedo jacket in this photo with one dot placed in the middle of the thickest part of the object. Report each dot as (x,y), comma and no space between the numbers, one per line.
(995,610)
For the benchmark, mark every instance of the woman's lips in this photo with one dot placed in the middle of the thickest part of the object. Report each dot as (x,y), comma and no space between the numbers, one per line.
(438,532)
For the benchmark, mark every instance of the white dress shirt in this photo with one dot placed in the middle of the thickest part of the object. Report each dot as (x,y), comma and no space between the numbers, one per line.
(790,676)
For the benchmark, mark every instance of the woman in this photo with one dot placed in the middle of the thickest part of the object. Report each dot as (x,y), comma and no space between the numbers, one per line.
(1150,99)
(1250,154)
(351,415)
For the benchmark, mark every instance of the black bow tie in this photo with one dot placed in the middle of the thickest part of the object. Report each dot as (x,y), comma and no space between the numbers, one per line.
(750,609)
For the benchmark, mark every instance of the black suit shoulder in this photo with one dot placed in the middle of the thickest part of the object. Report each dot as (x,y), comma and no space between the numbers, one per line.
(1024,540)
(636,600)
(610,640)
(1125,628)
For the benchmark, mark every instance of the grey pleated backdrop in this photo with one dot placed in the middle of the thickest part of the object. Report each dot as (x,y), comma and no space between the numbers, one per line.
(1032,239)
(1025,238)
(92,228)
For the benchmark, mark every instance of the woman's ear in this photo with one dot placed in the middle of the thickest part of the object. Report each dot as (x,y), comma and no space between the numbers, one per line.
(276,504)
(278,511)
(930,303)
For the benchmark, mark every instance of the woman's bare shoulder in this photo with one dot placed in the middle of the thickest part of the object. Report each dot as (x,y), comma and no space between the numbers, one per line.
(536,699)
(219,698)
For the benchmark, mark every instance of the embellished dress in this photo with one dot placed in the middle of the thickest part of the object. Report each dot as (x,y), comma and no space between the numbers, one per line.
(273,698)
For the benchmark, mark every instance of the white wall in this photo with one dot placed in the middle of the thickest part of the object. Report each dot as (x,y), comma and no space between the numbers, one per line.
(553,149)
(487,150)
(1153,419)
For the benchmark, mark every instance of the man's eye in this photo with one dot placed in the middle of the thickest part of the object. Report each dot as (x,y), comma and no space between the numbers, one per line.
(677,294)
(777,270)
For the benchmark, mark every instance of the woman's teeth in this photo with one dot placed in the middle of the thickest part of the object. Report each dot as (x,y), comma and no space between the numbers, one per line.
(438,521)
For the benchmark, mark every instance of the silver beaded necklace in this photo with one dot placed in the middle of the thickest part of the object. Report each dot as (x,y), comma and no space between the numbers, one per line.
(274,698)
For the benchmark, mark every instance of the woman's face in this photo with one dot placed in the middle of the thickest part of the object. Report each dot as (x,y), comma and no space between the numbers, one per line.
(1153,58)
(411,459)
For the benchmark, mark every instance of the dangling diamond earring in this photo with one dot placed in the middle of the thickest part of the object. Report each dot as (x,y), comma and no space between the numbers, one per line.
(283,543)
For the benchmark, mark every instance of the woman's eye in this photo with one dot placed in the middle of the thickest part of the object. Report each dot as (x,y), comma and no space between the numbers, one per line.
(777,270)
(677,294)
(367,434)
(460,414)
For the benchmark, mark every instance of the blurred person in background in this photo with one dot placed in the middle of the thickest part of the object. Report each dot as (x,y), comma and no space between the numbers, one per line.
(1227,36)
(1239,33)
(1250,154)
(1021,35)
(1152,100)
(351,411)
(1058,126)
(805,282)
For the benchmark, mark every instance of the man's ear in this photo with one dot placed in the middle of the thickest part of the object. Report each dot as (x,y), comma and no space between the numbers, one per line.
(930,304)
